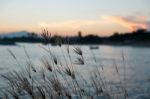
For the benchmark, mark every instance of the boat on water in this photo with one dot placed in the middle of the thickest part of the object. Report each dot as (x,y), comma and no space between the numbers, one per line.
(94,47)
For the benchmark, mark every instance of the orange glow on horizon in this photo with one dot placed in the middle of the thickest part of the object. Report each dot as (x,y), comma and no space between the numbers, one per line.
(104,26)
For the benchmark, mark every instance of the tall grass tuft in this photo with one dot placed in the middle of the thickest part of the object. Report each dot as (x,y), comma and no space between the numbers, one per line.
(59,80)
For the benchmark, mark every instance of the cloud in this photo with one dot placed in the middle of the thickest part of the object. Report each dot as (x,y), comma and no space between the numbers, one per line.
(69,24)
(103,25)
(131,22)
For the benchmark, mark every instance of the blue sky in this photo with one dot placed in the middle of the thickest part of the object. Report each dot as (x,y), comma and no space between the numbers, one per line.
(66,17)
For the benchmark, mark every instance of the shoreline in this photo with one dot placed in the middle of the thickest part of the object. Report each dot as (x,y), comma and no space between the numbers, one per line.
(141,44)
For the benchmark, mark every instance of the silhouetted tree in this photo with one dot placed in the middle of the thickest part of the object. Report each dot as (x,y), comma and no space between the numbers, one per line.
(80,34)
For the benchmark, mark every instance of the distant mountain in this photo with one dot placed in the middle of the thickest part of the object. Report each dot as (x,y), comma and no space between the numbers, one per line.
(15,34)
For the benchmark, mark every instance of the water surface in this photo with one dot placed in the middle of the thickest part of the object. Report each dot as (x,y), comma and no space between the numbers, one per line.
(132,62)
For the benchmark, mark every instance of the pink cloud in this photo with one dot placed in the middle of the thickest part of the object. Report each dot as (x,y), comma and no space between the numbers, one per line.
(131,22)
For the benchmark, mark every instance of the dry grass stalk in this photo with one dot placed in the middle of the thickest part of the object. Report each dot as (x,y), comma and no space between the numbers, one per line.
(51,86)
(46,64)
(46,35)
(78,51)
(69,72)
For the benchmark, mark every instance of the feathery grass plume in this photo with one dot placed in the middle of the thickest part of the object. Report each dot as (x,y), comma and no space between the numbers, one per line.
(47,65)
(69,72)
(79,61)
(46,35)
(19,82)
(78,51)
(55,59)
(21,79)
(31,65)
(23,82)
(64,82)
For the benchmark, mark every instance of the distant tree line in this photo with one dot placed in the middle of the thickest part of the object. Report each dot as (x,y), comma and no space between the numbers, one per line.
(139,36)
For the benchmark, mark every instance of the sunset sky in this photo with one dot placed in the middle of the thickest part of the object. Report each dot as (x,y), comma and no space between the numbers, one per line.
(67,17)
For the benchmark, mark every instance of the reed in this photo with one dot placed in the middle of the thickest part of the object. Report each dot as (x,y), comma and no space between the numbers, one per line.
(59,80)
